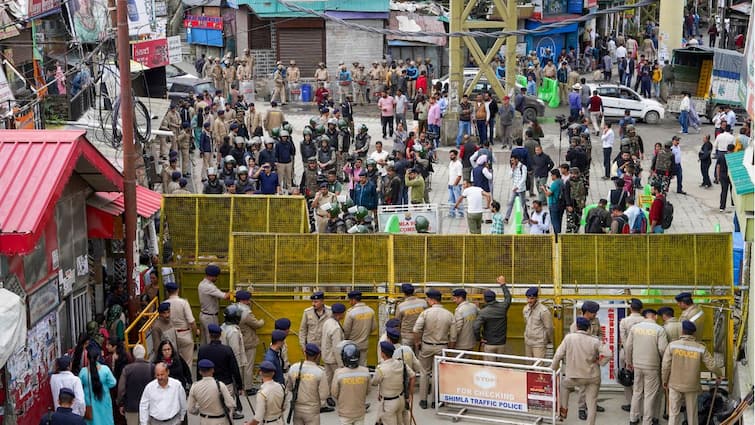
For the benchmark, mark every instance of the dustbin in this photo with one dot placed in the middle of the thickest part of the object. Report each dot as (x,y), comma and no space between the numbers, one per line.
(306,93)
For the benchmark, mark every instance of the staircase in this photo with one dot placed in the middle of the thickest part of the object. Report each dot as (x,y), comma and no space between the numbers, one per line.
(703,84)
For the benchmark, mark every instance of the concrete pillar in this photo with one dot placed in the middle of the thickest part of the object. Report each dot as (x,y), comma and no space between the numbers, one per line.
(670,29)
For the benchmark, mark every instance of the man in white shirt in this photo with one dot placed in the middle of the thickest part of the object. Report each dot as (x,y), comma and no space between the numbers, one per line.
(518,187)
(539,220)
(163,400)
(454,183)
(400,112)
(731,118)
(607,138)
(621,52)
(65,379)
(380,156)
(723,140)
(474,196)
(684,113)
(633,212)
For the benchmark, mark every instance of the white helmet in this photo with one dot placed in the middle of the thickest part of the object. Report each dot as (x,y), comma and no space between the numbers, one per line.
(229,158)
(242,170)
(284,133)
(211,171)
(332,121)
(256,140)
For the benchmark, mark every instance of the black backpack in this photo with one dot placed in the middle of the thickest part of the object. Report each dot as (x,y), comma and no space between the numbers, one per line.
(668,214)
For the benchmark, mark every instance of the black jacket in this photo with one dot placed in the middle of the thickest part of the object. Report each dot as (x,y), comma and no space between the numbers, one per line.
(62,416)
(490,324)
(226,367)
(131,383)
(541,165)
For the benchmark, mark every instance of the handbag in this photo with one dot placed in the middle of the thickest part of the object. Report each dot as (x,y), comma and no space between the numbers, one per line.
(88,414)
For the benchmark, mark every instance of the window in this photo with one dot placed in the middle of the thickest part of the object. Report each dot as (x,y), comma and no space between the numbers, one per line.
(608,92)
(626,94)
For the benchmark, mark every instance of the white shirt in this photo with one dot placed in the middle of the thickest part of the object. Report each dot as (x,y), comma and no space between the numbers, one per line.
(162,403)
(380,156)
(519,177)
(66,379)
(454,171)
(621,52)
(684,105)
(723,140)
(607,138)
(731,118)
(473,194)
(543,222)
(401,102)
(632,212)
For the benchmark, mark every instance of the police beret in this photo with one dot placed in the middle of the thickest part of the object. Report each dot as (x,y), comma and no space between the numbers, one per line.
(582,323)
(229,182)
(459,292)
(319,295)
(590,306)
(175,175)
(683,296)
(689,327)
(393,333)
(243,295)
(173,154)
(362,173)
(283,324)
(355,294)
(433,293)
(63,362)
(163,307)
(212,270)
(214,329)
(323,185)
(66,390)
(392,323)
(206,364)
(387,347)
(234,126)
(648,311)
(278,335)
(221,111)
(172,160)
(171,286)
(311,349)
(182,182)
(407,288)
(488,295)
(206,124)
(666,310)
(635,304)
(338,308)
(532,292)
(267,366)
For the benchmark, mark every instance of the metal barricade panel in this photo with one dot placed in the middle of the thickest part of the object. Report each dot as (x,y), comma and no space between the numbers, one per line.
(532,259)
(214,226)
(249,214)
(408,258)
(371,259)
(441,262)
(296,259)
(180,212)
(287,215)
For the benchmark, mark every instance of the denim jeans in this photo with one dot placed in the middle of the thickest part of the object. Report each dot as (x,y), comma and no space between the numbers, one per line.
(684,120)
(454,193)
(482,130)
(657,228)
(491,129)
(607,161)
(464,128)
(678,170)
(510,206)
(557,216)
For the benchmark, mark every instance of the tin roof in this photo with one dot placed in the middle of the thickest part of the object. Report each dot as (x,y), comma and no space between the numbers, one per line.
(739,176)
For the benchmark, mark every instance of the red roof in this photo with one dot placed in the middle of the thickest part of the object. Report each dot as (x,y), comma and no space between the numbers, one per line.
(35,166)
(148,202)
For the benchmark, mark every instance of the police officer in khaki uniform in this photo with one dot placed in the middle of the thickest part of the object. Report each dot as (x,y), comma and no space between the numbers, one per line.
(389,376)
(310,330)
(672,325)
(583,356)
(321,73)
(183,140)
(183,322)
(279,79)
(590,312)
(681,373)
(464,317)
(171,122)
(271,397)
(690,310)
(248,326)
(219,129)
(359,323)
(293,75)
(350,387)
(434,331)
(229,75)
(332,335)
(391,323)
(205,395)
(644,348)
(209,295)
(162,327)
(625,325)
(407,312)
(312,387)
(360,87)
(538,325)
(376,81)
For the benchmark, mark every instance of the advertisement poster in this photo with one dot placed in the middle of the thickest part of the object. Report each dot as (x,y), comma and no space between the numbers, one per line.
(42,7)
(483,386)
(747,91)
(90,20)
(537,12)
(541,394)
(43,300)
(139,16)
(151,53)
(407,216)
(609,317)
(174,49)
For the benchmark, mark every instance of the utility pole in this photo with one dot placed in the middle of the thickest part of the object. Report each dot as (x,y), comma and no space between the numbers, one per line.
(129,154)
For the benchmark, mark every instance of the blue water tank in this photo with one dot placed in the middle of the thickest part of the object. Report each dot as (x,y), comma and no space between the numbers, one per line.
(306,93)
(738,245)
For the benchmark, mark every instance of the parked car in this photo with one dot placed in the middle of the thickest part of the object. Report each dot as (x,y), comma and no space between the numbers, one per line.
(173,71)
(180,88)
(617,99)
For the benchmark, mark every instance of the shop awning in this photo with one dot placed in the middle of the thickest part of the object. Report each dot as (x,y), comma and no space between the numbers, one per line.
(13,318)
(531,25)
(413,22)
(148,202)
(35,167)
(743,8)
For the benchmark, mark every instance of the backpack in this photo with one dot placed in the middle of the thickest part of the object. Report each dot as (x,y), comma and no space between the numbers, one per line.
(640,224)
(623,224)
(663,162)
(668,214)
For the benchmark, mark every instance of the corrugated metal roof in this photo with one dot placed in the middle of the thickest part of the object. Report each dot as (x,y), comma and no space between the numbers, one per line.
(147,202)
(267,9)
(738,173)
(35,166)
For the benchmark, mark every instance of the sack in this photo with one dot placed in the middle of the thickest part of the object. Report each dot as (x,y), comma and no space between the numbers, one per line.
(668,214)
(640,224)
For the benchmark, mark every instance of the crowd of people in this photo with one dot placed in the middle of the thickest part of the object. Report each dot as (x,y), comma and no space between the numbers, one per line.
(104,384)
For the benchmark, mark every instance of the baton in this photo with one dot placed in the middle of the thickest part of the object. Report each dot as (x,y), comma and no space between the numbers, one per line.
(248,400)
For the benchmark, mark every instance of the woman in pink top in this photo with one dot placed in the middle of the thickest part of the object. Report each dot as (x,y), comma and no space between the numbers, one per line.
(352,172)
(386,105)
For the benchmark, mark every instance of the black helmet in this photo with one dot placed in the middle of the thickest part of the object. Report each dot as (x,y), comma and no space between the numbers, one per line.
(232,314)
(626,377)
(350,355)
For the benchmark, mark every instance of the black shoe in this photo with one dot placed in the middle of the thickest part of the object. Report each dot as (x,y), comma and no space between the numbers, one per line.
(634,422)
(432,405)
(331,402)
(582,415)
(599,408)
(626,407)
(251,392)
(237,415)
(681,192)
(655,421)
(366,406)
(423,404)
(326,409)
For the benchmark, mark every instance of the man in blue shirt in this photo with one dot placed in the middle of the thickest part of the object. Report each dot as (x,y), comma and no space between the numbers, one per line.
(531,86)
(274,355)
(268,180)
(64,414)
(365,193)
(575,103)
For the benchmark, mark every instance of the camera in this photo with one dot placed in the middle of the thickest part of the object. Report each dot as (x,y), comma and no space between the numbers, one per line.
(562,121)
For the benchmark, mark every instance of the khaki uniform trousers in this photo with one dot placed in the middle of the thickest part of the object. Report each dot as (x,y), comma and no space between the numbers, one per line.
(306,416)
(426,357)
(207,320)
(251,355)
(349,421)
(590,386)
(186,165)
(407,340)
(494,349)
(206,158)
(359,93)
(647,384)
(330,369)
(285,174)
(185,341)
(132,418)
(537,352)
(343,91)
(279,92)
(675,401)
(392,411)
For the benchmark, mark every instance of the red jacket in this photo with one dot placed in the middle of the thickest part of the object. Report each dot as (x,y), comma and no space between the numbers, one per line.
(422,84)
(656,210)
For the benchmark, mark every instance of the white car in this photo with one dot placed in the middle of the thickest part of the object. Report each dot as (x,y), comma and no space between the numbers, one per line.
(617,99)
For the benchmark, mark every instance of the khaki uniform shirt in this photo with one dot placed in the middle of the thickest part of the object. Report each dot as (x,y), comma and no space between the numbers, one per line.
(219,130)
(180,313)
(253,120)
(359,323)
(229,73)
(594,329)
(407,312)
(249,63)
(405,353)
(673,327)
(249,325)
(538,325)
(313,387)
(321,74)
(292,74)
(626,325)
(389,375)
(464,317)
(645,345)
(232,337)
(581,352)
(172,188)
(269,406)
(209,294)
(274,118)
(332,335)
(328,198)
(217,71)
(241,73)
(204,399)
(681,364)
(350,388)
(694,314)
(172,122)
(182,192)
(436,326)
(310,330)
(163,329)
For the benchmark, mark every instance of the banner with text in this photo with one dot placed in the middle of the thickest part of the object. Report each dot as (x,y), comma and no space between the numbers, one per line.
(483,386)
(151,53)
(407,216)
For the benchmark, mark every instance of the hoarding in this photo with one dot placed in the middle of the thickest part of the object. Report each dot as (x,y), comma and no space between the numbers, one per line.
(483,386)
(151,53)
